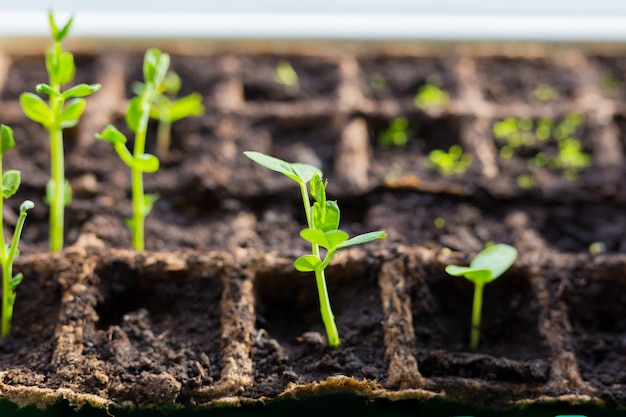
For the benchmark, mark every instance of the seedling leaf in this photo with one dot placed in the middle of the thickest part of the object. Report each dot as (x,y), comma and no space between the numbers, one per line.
(335,238)
(326,217)
(147,162)
(7,140)
(300,173)
(66,68)
(57,34)
(148,202)
(112,134)
(315,236)
(36,109)
(364,238)
(477,276)
(10,182)
(190,105)
(72,112)
(46,89)
(307,263)
(497,258)
(133,113)
(26,205)
(81,90)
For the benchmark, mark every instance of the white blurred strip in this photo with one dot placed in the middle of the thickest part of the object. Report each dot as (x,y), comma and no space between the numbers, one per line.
(321,26)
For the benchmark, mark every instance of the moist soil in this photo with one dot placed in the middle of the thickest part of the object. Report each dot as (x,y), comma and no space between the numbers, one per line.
(213,310)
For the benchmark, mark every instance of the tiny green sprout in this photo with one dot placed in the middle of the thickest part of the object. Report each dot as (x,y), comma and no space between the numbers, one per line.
(378,82)
(545,93)
(488,265)
(455,161)
(430,95)
(397,134)
(62,111)
(439,222)
(597,248)
(286,76)
(167,109)
(322,232)
(155,68)
(9,183)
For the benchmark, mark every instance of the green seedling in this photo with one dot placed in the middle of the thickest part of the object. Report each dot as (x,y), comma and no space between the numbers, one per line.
(155,67)
(429,95)
(455,161)
(488,265)
(286,76)
(322,231)
(545,93)
(397,134)
(62,111)
(167,109)
(9,183)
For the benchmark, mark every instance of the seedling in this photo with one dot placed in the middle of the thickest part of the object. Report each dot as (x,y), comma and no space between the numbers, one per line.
(455,161)
(545,93)
(397,134)
(322,231)
(286,76)
(430,95)
(9,183)
(488,265)
(168,110)
(54,117)
(155,66)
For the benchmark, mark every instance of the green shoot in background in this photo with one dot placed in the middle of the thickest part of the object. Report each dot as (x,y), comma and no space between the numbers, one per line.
(488,265)
(9,183)
(55,116)
(397,134)
(455,161)
(155,66)
(168,110)
(322,231)
(429,95)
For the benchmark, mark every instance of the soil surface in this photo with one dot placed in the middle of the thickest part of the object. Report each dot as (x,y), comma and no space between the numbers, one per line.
(214,309)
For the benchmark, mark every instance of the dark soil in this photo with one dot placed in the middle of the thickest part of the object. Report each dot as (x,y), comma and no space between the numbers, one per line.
(213,310)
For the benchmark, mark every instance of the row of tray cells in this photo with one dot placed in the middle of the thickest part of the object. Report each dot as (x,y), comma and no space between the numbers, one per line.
(294,77)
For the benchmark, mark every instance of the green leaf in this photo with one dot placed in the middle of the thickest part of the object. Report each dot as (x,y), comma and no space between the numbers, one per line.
(326,218)
(10,183)
(138,87)
(112,134)
(7,139)
(171,84)
(81,90)
(15,281)
(59,35)
(46,89)
(307,263)
(147,162)
(477,276)
(148,203)
(133,113)
(497,258)
(155,66)
(72,112)
(364,238)
(190,105)
(335,238)
(66,68)
(36,109)
(314,236)
(26,205)
(318,189)
(300,173)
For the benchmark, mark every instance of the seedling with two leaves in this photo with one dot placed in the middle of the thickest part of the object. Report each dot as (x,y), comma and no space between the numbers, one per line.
(62,111)
(9,183)
(155,67)
(488,265)
(322,232)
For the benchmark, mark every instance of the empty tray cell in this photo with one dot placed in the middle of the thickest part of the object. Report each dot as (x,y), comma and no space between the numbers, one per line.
(537,81)
(28,71)
(288,78)
(543,151)
(290,344)
(415,145)
(582,228)
(597,305)
(162,330)
(26,355)
(511,347)
(402,77)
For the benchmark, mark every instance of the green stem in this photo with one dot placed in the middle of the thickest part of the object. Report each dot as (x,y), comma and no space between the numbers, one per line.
(6,269)
(8,286)
(57,166)
(476,314)
(164,130)
(139,206)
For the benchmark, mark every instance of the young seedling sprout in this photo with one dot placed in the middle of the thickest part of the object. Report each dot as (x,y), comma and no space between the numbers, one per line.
(9,183)
(54,117)
(322,231)
(168,110)
(488,265)
(155,66)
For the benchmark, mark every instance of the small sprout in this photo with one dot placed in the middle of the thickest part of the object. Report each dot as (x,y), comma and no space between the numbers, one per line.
(322,231)
(439,222)
(545,93)
(429,95)
(596,248)
(397,134)
(9,183)
(286,76)
(63,110)
(525,181)
(167,109)
(155,69)
(455,161)
(378,82)
(488,265)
